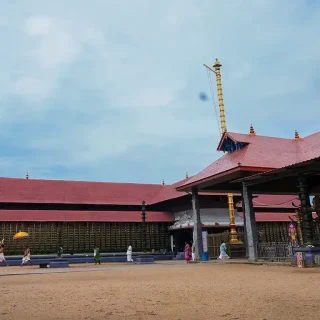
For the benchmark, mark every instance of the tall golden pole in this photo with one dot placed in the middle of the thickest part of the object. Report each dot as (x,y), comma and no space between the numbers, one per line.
(217,66)
(233,231)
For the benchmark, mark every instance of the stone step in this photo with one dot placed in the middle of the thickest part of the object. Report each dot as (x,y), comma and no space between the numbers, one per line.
(144,260)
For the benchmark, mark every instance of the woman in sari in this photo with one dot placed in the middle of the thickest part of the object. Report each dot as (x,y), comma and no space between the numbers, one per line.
(187,252)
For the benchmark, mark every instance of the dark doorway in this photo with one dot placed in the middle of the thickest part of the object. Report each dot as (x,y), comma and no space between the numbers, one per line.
(182,236)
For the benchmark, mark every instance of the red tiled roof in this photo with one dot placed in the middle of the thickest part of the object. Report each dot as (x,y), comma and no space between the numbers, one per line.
(77,192)
(261,152)
(14,190)
(83,216)
(82,192)
(274,201)
(169,192)
(274,216)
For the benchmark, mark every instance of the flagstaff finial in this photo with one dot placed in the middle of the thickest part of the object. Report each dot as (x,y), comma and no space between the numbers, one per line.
(217,63)
(296,135)
(27,175)
(163,182)
(252,132)
(187,176)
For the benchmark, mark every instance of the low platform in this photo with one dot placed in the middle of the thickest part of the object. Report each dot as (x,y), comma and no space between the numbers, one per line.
(307,257)
(180,256)
(59,263)
(144,260)
(86,258)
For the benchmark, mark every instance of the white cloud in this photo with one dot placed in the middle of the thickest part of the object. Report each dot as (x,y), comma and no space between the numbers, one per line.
(148,98)
(31,88)
(111,76)
(55,45)
(39,25)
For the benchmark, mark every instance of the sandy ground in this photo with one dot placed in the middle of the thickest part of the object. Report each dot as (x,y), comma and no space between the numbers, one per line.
(163,291)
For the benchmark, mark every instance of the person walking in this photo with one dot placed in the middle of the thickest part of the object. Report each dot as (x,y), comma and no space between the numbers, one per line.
(26,256)
(2,258)
(193,249)
(187,252)
(96,255)
(129,254)
(223,251)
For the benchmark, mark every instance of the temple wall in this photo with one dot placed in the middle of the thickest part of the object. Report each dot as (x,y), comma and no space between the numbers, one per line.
(273,232)
(82,237)
(278,232)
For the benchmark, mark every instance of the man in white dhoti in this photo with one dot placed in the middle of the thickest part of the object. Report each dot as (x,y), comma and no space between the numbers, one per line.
(129,254)
(223,251)
(2,258)
(26,256)
(193,251)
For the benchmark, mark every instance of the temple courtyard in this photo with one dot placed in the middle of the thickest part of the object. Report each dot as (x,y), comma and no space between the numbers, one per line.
(166,290)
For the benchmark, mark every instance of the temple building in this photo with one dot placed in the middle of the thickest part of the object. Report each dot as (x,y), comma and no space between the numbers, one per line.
(81,215)
(247,155)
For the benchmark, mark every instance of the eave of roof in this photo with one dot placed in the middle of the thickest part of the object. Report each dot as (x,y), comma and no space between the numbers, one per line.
(272,174)
(273,216)
(83,216)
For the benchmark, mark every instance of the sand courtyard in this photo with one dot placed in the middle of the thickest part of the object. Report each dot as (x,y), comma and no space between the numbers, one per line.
(167,290)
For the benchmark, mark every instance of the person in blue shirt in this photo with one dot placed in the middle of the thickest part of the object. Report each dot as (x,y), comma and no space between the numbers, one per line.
(223,251)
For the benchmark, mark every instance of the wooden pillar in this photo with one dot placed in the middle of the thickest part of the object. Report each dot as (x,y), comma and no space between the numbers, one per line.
(306,210)
(250,223)
(197,228)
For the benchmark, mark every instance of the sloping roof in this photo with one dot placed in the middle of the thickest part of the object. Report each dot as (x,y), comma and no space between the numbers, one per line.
(79,192)
(76,192)
(169,192)
(274,216)
(14,190)
(312,164)
(261,152)
(274,201)
(83,216)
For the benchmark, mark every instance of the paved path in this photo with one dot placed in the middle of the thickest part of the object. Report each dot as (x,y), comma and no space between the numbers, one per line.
(10,271)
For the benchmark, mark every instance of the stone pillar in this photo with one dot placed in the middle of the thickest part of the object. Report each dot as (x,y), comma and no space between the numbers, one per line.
(250,223)
(197,229)
(244,228)
(306,210)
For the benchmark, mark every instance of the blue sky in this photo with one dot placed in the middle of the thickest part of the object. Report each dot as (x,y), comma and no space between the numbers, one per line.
(109,90)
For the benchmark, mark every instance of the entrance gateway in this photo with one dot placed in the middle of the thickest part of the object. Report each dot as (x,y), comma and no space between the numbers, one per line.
(215,228)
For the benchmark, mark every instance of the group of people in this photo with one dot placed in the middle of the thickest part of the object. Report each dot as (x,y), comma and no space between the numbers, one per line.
(97,256)
(189,252)
(25,259)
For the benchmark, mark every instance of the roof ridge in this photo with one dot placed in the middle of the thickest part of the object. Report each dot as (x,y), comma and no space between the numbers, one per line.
(261,136)
(81,181)
(312,134)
